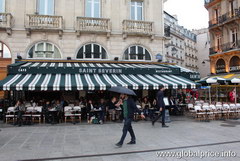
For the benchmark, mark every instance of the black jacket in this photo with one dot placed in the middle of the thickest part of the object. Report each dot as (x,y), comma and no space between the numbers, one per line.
(160,102)
(131,105)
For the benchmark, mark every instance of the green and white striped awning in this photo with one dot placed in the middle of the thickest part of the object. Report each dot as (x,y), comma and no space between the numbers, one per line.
(76,75)
(71,82)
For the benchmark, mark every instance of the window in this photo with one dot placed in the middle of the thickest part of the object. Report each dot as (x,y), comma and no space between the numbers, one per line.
(218,42)
(136,10)
(4,51)
(2,6)
(136,53)
(92,51)
(92,8)
(46,7)
(44,50)
(234,37)
(232,7)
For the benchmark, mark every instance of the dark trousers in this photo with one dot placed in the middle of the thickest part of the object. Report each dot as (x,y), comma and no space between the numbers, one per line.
(163,116)
(19,117)
(127,128)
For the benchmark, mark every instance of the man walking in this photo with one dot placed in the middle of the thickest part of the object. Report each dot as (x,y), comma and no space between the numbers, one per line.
(161,106)
(129,107)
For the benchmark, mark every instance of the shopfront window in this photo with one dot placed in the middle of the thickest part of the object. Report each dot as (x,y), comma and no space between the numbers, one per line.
(220,66)
(136,53)
(136,10)
(2,6)
(44,50)
(4,51)
(45,7)
(92,8)
(235,64)
(92,51)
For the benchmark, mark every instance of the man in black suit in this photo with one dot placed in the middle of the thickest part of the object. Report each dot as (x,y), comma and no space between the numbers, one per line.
(129,107)
(161,106)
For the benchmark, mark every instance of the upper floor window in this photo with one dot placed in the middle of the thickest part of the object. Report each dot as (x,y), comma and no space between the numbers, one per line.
(232,7)
(136,53)
(46,7)
(234,37)
(4,51)
(92,8)
(218,42)
(44,50)
(2,6)
(136,10)
(92,51)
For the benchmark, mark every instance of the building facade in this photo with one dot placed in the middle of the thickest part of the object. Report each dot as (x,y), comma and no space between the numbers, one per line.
(83,29)
(224,16)
(181,48)
(203,45)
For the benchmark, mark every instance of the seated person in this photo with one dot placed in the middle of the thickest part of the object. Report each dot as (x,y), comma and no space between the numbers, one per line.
(20,109)
(112,107)
(145,106)
(102,111)
(173,106)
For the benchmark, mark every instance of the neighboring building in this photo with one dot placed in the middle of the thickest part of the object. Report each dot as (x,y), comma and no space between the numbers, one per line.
(224,16)
(181,49)
(203,45)
(83,29)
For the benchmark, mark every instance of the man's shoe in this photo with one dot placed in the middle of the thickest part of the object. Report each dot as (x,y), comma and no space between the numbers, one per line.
(119,145)
(164,126)
(153,122)
(132,142)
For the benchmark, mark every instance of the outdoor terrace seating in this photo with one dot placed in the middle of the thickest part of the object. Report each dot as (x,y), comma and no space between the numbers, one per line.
(204,111)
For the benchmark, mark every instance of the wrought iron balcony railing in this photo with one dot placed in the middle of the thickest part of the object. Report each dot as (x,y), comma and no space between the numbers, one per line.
(137,27)
(89,24)
(227,17)
(224,47)
(44,22)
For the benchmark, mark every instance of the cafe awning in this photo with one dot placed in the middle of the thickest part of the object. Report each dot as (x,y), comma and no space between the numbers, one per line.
(221,79)
(70,76)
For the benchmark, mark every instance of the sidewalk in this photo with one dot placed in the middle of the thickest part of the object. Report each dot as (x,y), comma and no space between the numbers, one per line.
(67,140)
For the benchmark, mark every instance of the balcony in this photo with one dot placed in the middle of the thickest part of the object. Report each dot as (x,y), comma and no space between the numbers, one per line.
(6,22)
(209,3)
(224,48)
(132,27)
(225,18)
(44,22)
(92,25)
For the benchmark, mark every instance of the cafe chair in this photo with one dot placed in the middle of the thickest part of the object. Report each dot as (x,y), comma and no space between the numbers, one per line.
(199,114)
(37,114)
(10,114)
(68,113)
(77,112)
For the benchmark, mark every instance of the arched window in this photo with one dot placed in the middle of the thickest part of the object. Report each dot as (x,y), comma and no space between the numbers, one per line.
(220,66)
(234,64)
(92,51)
(44,50)
(4,51)
(136,53)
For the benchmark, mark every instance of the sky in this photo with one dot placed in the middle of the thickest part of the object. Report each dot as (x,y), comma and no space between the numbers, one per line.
(190,13)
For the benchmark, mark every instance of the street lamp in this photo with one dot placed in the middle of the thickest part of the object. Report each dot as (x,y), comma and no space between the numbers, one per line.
(205,60)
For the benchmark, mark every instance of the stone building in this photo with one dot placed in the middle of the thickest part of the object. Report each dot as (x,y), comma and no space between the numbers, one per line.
(110,29)
(181,48)
(224,16)
(203,45)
